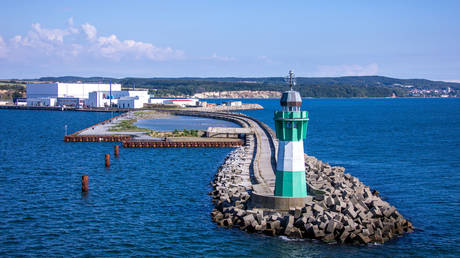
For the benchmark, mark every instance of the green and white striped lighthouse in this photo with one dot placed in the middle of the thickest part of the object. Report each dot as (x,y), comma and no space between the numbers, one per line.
(291,130)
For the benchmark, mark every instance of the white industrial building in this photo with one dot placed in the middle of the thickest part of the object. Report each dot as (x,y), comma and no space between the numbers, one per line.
(94,95)
(62,90)
(84,95)
(121,99)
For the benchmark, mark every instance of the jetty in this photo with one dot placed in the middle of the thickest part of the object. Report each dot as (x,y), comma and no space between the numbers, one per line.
(339,208)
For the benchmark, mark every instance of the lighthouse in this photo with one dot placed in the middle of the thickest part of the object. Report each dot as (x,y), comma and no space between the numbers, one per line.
(291,130)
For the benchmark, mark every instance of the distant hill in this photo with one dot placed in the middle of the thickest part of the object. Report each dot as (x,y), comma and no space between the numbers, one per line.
(349,86)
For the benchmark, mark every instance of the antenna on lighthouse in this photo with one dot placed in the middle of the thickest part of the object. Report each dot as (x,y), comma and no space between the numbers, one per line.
(290,79)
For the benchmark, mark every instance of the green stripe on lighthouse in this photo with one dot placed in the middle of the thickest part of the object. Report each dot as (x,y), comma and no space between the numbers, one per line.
(290,184)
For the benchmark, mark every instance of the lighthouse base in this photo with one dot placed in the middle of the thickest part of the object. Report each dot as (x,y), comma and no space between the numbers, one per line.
(280,203)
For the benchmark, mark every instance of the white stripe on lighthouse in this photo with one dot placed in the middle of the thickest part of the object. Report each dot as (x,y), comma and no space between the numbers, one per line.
(290,156)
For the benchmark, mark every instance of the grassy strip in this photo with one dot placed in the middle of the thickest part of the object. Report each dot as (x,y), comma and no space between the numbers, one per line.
(177,133)
(127,125)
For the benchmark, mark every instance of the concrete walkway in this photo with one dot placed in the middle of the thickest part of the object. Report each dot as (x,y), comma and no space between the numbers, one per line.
(264,161)
(104,129)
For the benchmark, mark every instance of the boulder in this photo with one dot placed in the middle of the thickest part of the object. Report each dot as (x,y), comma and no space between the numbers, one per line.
(331,226)
(344,236)
(297,212)
(329,201)
(350,211)
(317,209)
(317,233)
(363,238)
(248,219)
(328,238)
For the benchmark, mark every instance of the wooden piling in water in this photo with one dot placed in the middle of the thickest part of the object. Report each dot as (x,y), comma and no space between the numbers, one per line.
(84,183)
(107,160)
(117,151)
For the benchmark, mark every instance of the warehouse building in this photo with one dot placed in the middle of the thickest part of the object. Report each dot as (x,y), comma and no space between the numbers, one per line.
(122,99)
(63,90)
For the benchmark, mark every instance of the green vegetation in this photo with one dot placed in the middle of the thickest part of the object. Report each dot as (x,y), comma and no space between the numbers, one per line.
(189,87)
(12,89)
(127,125)
(325,87)
(177,133)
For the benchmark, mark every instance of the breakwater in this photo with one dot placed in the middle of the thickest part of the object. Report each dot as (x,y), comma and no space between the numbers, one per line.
(339,208)
(342,209)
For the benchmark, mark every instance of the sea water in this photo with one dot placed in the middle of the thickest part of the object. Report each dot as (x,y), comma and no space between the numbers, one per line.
(154,201)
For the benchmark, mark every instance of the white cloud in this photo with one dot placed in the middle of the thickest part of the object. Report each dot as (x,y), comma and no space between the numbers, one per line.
(85,43)
(53,35)
(347,70)
(89,30)
(111,47)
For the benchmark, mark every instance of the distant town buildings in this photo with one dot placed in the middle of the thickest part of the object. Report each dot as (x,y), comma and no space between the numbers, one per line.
(443,93)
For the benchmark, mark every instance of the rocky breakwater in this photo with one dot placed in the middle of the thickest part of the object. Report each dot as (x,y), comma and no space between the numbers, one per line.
(339,208)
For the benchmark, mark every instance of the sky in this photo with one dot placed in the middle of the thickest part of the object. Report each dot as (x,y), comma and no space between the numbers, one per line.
(401,39)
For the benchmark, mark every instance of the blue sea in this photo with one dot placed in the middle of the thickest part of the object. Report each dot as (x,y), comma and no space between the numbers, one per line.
(154,202)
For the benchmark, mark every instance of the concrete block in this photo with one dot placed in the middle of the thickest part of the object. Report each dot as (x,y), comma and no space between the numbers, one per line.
(317,233)
(311,219)
(300,222)
(362,215)
(363,238)
(376,213)
(328,238)
(322,225)
(351,212)
(228,222)
(331,226)
(329,201)
(276,224)
(344,236)
(248,219)
(317,209)
(293,232)
(378,236)
(297,212)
